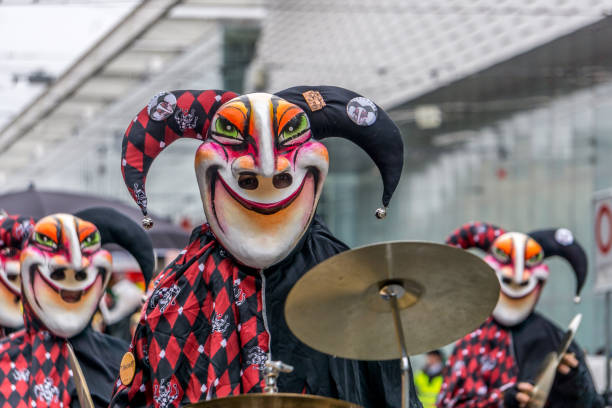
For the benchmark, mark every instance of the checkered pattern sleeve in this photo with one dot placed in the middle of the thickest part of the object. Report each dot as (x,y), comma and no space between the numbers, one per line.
(479,370)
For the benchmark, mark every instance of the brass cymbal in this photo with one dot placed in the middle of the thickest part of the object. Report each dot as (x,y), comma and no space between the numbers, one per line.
(276,400)
(336,307)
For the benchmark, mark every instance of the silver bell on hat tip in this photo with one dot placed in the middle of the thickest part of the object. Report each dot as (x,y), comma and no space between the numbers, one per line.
(381,213)
(147,222)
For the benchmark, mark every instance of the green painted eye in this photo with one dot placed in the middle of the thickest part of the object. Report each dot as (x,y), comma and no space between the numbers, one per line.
(536,259)
(224,131)
(295,128)
(91,240)
(500,255)
(44,240)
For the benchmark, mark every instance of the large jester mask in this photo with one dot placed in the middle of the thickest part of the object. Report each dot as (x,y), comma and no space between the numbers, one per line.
(65,271)
(517,259)
(260,168)
(14,232)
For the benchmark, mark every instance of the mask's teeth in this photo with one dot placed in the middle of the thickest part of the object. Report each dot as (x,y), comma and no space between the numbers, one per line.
(71,296)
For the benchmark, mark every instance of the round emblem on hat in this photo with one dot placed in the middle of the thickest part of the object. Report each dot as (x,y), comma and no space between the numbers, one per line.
(362,111)
(161,106)
(564,236)
(127,369)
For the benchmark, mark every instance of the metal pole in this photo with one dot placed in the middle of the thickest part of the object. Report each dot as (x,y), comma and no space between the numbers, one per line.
(608,349)
(392,293)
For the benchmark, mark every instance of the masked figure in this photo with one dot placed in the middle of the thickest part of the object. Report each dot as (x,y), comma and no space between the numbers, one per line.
(64,272)
(217,312)
(14,232)
(495,365)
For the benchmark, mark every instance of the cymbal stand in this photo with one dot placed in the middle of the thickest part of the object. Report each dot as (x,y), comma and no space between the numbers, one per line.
(392,292)
(271,371)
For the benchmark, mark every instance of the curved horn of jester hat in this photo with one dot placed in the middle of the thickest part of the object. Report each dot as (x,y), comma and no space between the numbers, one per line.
(561,242)
(116,228)
(65,271)
(14,233)
(339,112)
(260,169)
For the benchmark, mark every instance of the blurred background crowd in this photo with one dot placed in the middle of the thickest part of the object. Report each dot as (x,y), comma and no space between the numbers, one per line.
(505,108)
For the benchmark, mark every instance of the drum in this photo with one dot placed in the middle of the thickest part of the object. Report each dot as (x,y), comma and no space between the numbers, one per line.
(274,400)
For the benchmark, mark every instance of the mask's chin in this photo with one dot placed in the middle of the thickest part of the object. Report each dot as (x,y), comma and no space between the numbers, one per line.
(511,311)
(259,235)
(64,312)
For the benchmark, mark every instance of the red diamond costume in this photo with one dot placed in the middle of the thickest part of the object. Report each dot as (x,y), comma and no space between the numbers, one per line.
(64,272)
(487,364)
(217,311)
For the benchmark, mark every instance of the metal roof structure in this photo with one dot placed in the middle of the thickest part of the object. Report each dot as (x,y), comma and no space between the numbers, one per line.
(144,45)
(394,51)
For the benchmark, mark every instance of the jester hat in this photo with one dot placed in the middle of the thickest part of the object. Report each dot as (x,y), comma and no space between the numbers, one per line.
(260,167)
(518,261)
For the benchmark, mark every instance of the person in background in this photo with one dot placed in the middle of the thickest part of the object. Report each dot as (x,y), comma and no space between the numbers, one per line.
(497,364)
(64,271)
(428,380)
(14,232)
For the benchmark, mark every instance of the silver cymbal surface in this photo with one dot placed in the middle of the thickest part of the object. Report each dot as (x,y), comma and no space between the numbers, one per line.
(336,307)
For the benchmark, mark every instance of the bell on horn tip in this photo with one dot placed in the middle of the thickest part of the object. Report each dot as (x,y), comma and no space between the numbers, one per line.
(381,213)
(147,222)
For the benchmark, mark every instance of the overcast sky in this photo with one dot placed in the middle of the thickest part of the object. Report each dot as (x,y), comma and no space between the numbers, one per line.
(48,36)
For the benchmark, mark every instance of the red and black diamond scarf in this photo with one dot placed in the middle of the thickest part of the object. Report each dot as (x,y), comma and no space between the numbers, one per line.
(481,367)
(34,369)
(201,333)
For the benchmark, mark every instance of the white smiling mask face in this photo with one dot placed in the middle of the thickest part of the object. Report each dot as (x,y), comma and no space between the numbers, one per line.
(517,260)
(260,175)
(64,273)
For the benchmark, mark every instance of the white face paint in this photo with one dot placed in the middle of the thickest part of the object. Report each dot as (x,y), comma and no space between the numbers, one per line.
(517,260)
(64,273)
(260,176)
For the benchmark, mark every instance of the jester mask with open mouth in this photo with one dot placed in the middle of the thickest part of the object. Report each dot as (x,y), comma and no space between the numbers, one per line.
(260,168)
(14,232)
(517,259)
(65,271)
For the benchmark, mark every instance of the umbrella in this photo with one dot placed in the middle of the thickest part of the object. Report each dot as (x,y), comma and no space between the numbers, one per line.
(37,204)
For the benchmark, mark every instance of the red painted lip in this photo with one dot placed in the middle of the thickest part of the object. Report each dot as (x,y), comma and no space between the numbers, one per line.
(261,208)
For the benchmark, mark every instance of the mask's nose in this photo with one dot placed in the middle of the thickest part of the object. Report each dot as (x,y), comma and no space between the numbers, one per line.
(249,176)
(68,275)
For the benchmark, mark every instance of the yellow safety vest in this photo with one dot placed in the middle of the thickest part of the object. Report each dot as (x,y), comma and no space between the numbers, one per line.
(427,389)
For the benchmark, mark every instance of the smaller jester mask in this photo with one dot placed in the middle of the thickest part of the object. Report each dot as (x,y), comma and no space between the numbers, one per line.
(517,259)
(260,167)
(64,269)
(14,232)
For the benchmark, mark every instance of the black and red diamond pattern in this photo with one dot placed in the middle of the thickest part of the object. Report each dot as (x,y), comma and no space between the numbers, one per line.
(34,370)
(202,333)
(480,369)
(145,137)
(475,234)
(14,231)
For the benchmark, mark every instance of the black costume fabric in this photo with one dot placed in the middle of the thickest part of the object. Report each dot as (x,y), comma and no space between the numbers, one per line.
(34,370)
(486,365)
(203,333)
